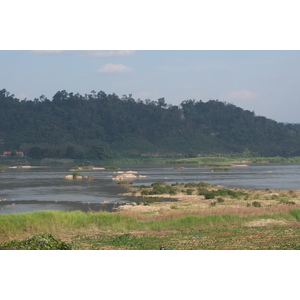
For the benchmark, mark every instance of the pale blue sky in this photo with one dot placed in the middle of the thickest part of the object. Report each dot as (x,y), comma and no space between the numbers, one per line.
(266,82)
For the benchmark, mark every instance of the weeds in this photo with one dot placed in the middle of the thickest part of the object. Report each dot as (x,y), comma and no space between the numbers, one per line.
(220,200)
(284,201)
(296,213)
(159,189)
(189,191)
(44,241)
(221,192)
(218,169)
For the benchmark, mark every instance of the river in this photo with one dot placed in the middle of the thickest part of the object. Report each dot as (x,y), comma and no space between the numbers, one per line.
(43,188)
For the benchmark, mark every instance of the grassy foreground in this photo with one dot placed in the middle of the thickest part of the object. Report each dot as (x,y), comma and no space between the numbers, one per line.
(101,230)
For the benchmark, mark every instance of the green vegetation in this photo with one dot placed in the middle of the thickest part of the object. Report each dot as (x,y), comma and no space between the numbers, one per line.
(102,127)
(218,169)
(115,231)
(257,238)
(211,194)
(3,166)
(160,188)
(256,204)
(44,241)
(76,175)
(112,168)
(224,160)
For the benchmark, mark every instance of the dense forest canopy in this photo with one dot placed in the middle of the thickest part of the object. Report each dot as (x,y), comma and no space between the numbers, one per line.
(101,126)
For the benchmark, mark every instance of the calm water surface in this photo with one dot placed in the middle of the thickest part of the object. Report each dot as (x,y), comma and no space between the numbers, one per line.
(44,188)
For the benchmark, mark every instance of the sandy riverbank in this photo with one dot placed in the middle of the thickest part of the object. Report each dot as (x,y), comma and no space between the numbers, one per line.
(250,202)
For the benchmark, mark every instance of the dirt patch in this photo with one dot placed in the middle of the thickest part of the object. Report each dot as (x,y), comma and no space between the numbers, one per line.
(267,222)
(269,201)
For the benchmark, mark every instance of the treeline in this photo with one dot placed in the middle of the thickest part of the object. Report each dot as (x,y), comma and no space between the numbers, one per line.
(102,126)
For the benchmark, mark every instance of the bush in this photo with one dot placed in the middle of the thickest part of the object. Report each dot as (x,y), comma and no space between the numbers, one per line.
(189,192)
(284,201)
(256,204)
(44,241)
(221,192)
(144,186)
(220,199)
(159,190)
(158,184)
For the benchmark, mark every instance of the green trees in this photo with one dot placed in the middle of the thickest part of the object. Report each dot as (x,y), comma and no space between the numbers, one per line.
(101,125)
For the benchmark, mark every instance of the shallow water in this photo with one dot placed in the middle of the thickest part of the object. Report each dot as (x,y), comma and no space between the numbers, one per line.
(44,188)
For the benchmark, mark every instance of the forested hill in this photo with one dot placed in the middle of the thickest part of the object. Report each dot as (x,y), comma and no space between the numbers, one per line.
(101,126)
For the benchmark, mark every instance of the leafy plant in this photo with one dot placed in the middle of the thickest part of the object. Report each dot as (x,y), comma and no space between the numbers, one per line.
(256,204)
(44,241)
(189,191)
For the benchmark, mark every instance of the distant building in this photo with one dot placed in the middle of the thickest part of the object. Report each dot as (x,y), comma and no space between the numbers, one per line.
(16,154)
(6,154)
(19,154)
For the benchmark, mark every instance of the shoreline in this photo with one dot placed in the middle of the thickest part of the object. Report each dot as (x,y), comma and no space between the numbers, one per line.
(249,202)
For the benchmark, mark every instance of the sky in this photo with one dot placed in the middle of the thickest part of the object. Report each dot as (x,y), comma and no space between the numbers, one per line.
(263,81)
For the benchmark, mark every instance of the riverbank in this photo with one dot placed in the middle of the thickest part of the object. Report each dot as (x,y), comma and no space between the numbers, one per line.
(214,161)
(203,199)
(270,221)
(104,231)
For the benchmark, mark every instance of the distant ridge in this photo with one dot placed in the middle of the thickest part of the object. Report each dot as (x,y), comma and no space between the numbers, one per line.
(101,126)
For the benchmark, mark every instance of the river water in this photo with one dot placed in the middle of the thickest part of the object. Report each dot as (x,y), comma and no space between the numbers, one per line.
(30,189)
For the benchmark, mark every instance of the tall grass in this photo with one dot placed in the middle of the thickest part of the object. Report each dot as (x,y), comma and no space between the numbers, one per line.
(60,221)
(296,213)
(22,224)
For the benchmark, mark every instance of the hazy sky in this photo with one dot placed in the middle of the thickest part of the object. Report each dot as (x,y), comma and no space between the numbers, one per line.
(266,82)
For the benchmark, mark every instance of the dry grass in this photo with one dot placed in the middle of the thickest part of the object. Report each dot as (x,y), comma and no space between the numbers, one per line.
(272,201)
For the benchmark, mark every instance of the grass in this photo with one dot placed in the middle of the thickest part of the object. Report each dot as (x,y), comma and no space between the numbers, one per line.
(116,231)
(202,239)
(229,160)
(218,169)
(44,241)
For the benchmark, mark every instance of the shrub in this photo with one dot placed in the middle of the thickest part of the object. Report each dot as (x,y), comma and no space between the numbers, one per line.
(220,199)
(284,201)
(209,195)
(173,192)
(143,186)
(189,192)
(44,241)
(256,204)
(158,184)
(158,190)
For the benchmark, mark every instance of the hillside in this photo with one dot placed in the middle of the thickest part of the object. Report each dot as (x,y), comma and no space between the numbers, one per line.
(100,126)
